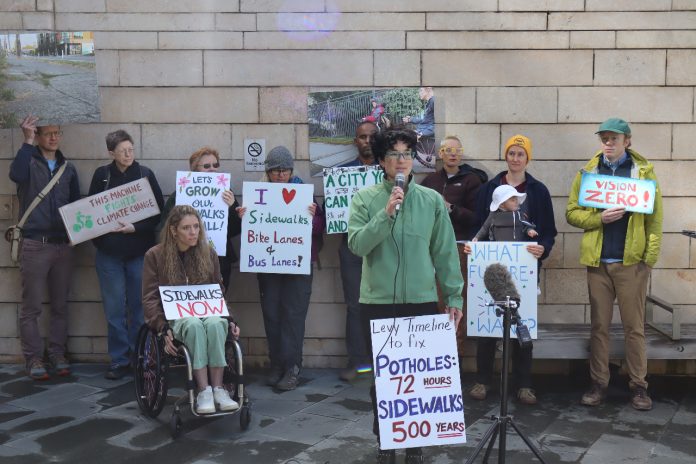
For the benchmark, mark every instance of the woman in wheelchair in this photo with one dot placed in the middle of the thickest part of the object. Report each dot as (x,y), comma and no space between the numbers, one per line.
(184,257)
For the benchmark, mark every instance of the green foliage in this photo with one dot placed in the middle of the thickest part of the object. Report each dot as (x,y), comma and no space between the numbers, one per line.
(402,102)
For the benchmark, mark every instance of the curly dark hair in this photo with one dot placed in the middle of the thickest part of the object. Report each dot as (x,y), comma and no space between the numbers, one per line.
(385,141)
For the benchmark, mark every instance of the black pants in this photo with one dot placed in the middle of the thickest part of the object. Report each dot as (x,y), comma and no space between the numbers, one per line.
(284,302)
(370,312)
(521,359)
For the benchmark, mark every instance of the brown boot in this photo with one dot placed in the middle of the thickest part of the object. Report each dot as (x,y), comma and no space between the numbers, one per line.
(479,391)
(594,396)
(526,396)
(640,399)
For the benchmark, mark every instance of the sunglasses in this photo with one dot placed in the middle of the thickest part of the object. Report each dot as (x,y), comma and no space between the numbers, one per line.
(210,165)
(391,154)
(451,151)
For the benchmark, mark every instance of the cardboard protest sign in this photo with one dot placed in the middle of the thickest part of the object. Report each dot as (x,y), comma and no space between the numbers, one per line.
(203,191)
(100,214)
(481,320)
(600,191)
(340,184)
(277,228)
(419,393)
(180,301)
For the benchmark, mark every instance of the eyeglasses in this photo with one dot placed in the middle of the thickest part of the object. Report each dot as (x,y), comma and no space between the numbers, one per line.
(210,165)
(129,151)
(451,151)
(51,135)
(406,155)
(279,172)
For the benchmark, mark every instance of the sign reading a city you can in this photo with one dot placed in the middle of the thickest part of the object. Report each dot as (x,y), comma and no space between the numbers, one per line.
(203,191)
(600,191)
(340,184)
(481,319)
(180,301)
(419,393)
(276,228)
(100,214)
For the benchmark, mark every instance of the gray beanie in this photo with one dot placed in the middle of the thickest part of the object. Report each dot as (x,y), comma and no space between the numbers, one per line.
(279,158)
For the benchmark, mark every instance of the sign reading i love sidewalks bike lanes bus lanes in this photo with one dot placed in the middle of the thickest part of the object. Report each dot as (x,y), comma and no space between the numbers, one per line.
(419,393)
(601,191)
(277,228)
(100,214)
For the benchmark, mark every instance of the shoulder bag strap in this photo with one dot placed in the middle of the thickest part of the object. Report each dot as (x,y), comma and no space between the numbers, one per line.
(41,195)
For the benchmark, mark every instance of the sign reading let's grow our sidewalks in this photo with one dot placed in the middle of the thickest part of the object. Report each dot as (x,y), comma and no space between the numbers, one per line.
(100,214)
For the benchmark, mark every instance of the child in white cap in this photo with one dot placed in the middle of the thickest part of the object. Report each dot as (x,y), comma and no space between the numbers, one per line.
(505,223)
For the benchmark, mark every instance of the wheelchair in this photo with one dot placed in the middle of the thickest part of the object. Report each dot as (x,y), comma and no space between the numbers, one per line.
(152,368)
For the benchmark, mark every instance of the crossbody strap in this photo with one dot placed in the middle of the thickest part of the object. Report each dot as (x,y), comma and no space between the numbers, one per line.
(41,195)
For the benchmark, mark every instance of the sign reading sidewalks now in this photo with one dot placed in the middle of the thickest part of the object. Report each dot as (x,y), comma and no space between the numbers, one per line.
(182,301)
(419,393)
(600,191)
(340,184)
(100,214)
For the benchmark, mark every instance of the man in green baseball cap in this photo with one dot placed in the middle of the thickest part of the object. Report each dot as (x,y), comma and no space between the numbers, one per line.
(619,249)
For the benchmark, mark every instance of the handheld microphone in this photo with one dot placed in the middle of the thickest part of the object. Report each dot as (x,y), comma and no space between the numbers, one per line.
(399,181)
(499,283)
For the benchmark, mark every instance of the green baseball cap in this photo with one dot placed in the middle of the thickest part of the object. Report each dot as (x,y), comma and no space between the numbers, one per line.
(614,125)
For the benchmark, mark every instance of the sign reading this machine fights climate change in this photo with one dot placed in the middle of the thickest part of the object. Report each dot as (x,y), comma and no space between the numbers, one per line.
(481,320)
(340,184)
(100,214)
(277,228)
(419,393)
(203,191)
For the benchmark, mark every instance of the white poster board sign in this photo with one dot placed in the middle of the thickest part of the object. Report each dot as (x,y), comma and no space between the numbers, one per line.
(481,320)
(203,191)
(182,301)
(100,214)
(277,228)
(419,393)
(600,191)
(254,154)
(340,184)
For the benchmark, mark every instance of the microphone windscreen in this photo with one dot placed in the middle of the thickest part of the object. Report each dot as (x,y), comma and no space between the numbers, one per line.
(499,283)
(399,180)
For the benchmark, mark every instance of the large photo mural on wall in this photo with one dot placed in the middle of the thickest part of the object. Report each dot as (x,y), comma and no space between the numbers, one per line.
(51,75)
(333,117)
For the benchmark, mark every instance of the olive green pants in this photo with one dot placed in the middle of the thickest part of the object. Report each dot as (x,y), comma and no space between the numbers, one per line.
(204,338)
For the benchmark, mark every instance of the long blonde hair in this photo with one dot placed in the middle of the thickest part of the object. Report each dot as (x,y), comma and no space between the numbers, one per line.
(197,263)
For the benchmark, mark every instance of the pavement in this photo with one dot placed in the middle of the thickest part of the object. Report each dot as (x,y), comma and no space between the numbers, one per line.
(85,418)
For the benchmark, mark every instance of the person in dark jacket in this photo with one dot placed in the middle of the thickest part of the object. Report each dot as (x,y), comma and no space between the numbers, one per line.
(207,159)
(120,254)
(46,256)
(458,184)
(536,209)
(285,297)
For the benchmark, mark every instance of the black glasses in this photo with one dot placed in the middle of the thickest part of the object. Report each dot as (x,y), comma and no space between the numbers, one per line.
(210,165)
(400,154)
(280,172)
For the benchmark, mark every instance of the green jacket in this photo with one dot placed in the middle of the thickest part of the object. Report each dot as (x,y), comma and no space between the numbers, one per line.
(423,246)
(644,232)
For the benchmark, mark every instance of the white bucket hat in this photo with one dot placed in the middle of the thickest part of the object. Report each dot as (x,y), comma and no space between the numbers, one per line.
(503,193)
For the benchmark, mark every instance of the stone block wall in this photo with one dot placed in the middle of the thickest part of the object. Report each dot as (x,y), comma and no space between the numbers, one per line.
(178,74)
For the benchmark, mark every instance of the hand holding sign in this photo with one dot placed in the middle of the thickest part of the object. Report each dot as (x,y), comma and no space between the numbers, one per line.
(612,214)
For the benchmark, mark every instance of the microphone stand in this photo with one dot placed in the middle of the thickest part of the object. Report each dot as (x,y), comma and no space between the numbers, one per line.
(501,421)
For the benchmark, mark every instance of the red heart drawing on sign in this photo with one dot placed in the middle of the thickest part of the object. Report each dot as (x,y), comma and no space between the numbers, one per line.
(288,195)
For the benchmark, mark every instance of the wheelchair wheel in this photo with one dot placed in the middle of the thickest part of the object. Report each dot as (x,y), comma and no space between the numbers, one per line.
(244,417)
(150,373)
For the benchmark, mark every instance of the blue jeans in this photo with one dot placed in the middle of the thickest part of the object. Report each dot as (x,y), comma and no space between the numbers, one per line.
(120,280)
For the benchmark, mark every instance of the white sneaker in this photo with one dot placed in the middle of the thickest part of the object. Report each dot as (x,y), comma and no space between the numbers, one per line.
(204,401)
(223,400)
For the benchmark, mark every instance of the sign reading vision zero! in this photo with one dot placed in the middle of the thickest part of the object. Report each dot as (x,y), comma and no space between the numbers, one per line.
(254,154)
(603,192)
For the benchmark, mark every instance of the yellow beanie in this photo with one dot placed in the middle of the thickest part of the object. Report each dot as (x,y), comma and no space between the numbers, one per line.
(519,141)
